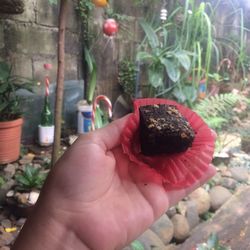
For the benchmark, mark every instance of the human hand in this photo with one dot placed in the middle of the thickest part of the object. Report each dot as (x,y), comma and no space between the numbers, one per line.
(99,197)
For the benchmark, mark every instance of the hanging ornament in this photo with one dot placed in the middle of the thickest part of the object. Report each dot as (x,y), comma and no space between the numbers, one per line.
(47,66)
(110,27)
(163,15)
(100,3)
(164,12)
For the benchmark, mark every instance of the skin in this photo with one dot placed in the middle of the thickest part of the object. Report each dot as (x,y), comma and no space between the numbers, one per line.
(94,198)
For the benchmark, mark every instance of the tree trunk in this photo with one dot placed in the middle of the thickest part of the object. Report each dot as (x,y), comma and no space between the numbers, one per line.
(64,6)
(11,7)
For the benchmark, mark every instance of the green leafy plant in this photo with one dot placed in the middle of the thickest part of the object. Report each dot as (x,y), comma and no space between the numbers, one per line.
(218,110)
(212,244)
(231,41)
(127,73)
(9,101)
(161,58)
(30,178)
(190,28)
(193,31)
(182,48)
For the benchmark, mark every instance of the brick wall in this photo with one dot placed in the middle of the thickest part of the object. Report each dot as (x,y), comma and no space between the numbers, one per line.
(29,40)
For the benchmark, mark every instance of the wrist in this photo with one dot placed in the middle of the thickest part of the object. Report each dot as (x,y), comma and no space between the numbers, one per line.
(46,229)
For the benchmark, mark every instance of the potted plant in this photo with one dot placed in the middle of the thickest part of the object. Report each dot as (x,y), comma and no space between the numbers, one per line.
(10,114)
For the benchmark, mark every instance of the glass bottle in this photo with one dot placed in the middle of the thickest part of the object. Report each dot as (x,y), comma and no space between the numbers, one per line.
(46,115)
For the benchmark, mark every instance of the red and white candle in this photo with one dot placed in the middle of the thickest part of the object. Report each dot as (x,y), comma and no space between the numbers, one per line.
(46,86)
(47,66)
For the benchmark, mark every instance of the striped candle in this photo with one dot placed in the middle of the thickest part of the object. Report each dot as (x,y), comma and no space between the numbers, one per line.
(46,86)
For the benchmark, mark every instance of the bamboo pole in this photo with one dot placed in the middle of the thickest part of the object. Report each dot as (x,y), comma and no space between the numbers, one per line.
(64,6)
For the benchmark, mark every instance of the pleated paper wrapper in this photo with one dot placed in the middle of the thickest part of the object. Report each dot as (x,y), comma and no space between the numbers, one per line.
(179,170)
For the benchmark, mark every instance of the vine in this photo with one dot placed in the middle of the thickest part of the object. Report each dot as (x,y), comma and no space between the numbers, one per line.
(84,9)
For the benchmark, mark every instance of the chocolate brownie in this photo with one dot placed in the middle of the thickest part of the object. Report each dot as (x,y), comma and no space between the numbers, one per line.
(164,130)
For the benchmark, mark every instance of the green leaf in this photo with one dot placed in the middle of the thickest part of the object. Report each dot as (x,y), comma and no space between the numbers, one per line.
(3,87)
(89,59)
(39,181)
(4,71)
(186,94)
(179,95)
(22,180)
(155,77)
(183,59)
(172,69)
(214,122)
(3,106)
(213,241)
(137,245)
(190,92)
(29,172)
(53,1)
(98,118)
(2,181)
(142,55)
(92,85)
(92,69)
(150,34)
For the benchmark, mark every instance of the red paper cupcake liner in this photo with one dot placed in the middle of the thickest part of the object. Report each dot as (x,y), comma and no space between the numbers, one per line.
(176,170)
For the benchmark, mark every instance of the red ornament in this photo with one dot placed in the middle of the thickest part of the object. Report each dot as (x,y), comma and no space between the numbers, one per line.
(47,66)
(110,27)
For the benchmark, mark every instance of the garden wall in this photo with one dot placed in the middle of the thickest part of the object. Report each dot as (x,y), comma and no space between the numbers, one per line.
(29,40)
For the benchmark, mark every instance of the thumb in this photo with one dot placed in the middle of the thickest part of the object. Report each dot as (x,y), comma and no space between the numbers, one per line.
(108,137)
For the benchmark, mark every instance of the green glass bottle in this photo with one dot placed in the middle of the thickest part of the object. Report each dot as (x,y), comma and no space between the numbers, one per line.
(46,115)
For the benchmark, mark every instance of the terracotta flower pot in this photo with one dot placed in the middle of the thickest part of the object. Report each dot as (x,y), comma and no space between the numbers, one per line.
(10,139)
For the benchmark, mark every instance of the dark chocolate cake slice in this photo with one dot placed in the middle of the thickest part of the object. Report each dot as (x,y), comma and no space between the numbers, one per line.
(164,130)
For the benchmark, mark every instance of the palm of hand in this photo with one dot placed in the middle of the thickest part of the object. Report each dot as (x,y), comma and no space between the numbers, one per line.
(106,206)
